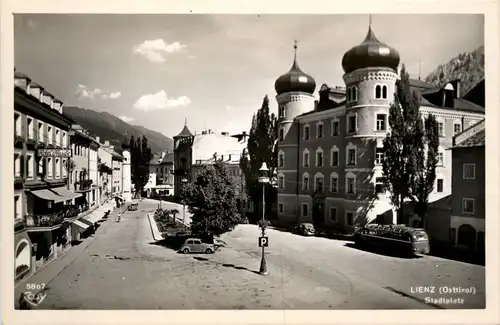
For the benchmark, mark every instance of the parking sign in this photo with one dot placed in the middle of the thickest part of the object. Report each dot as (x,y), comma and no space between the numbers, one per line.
(263,242)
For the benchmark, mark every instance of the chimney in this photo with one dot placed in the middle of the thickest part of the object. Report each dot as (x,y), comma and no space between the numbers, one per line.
(35,90)
(47,98)
(98,139)
(106,143)
(209,131)
(222,157)
(229,157)
(203,132)
(112,147)
(224,133)
(57,105)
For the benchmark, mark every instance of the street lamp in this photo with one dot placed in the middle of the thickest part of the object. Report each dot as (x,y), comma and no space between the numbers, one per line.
(183,181)
(264,179)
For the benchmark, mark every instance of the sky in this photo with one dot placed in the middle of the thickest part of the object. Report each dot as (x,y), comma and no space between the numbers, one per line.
(213,70)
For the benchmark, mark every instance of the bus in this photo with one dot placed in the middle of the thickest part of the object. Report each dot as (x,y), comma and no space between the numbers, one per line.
(396,238)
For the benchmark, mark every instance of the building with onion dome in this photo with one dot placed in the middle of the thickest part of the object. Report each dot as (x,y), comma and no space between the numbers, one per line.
(329,150)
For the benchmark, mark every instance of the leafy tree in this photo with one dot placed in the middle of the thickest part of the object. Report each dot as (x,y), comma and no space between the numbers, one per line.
(426,157)
(398,168)
(261,147)
(212,202)
(410,151)
(140,156)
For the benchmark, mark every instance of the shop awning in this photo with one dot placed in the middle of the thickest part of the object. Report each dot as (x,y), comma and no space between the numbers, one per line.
(56,194)
(80,224)
(93,217)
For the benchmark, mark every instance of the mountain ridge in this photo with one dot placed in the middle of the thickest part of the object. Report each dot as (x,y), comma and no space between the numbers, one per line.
(113,129)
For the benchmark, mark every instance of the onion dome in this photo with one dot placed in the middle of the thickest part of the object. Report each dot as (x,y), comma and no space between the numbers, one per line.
(185,131)
(295,79)
(370,53)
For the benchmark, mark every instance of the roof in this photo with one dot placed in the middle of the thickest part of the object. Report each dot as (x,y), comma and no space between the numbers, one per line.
(474,136)
(206,145)
(295,80)
(168,158)
(185,132)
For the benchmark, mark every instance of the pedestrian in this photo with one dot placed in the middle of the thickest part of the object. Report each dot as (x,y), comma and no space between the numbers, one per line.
(118,217)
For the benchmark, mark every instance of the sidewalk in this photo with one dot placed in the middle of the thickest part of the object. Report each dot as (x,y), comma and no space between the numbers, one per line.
(154,228)
(49,271)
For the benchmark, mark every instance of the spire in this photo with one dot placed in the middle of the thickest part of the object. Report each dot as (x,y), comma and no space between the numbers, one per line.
(419,68)
(370,36)
(370,22)
(295,51)
(185,121)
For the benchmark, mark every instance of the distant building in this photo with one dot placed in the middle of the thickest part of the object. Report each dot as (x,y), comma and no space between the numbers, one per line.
(330,151)
(126,176)
(161,175)
(192,152)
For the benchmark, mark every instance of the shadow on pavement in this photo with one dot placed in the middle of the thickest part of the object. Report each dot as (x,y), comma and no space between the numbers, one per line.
(198,258)
(454,254)
(382,251)
(172,243)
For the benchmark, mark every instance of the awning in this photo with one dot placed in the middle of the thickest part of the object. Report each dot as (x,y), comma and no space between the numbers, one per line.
(80,224)
(57,194)
(93,217)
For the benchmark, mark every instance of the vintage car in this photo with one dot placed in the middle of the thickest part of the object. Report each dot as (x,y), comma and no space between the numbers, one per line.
(305,229)
(196,245)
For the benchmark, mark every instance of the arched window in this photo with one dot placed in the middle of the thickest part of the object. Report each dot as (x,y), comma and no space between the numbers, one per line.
(354,93)
(349,94)
(305,182)
(384,92)
(377,91)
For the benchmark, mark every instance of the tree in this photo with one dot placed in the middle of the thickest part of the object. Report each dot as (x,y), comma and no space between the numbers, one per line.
(410,150)
(261,147)
(426,158)
(212,202)
(140,156)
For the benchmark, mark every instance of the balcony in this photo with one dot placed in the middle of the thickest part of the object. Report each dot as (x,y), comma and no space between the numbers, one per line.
(31,144)
(72,211)
(51,220)
(83,185)
(18,141)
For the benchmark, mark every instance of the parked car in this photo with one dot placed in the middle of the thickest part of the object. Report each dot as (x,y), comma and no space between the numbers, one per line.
(196,245)
(305,229)
(133,207)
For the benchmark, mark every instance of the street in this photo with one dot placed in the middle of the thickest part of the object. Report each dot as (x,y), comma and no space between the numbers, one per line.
(123,268)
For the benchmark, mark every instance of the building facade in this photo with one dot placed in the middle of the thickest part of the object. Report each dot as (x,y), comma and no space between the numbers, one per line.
(161,175)
(330,150)
(42,198)
(468,207)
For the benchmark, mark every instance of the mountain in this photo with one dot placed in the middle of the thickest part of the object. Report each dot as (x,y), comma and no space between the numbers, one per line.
(468,67)
(116,131)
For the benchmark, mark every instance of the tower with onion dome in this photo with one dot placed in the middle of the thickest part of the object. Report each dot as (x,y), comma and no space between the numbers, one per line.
(370,79)
(294,91)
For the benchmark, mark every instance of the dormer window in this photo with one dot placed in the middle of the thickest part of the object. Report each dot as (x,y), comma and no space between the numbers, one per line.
(380,92)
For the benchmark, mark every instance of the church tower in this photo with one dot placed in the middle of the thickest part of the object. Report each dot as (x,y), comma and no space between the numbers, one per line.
(295,97)
(371,71)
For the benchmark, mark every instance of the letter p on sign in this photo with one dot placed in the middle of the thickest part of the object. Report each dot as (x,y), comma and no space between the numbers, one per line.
(263,242)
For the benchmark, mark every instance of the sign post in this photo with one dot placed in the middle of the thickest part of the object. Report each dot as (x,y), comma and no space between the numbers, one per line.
(263,241)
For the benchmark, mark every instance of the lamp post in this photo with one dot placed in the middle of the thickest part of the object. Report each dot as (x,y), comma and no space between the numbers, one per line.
(264,179)
(183,181)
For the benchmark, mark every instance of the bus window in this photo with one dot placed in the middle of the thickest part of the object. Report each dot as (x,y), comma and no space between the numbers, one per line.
(420,236)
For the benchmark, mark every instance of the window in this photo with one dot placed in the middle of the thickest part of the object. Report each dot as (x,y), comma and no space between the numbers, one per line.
(354,93)
(304,209)
(18,207)
(58,138)
(469,171)
(17,165)
(282,111)
(17,124)
(384,92)
(334,159)
(351,124)
(379,156)
(49,167)
(381,122)
(305,183)
(349,218)
(281,207)
(41,134)
(468,205)
(282,134)
(379,185)
(29,162)
(334,183)
(281,182)
(351,157)
(49,134)
(320,130)
(440,184)
(441,129)
(440,159)
(306,132)
(64,168)
(319,158)
(333,214)
(350,185)
(457,128)
(305,159)
(64,140)
(319,181)
(335,128)
(349,94)
(30,124)
(58,168)
(380,92)
(41,167)
(281,159)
